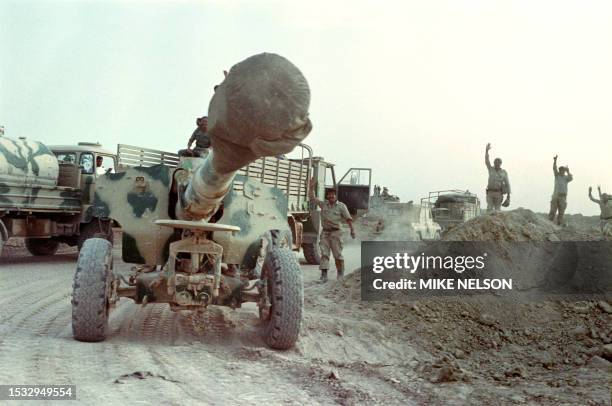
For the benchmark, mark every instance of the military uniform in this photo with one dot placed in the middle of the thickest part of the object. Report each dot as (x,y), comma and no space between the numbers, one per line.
(558,201)
(331,241)
(606,220)
(497,185)
(202,141)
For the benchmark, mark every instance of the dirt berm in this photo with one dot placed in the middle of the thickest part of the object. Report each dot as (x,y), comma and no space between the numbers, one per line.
(488,348)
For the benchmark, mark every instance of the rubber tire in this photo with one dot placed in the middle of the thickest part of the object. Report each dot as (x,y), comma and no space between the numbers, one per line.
(41,246)
(91,291)
(92,230)
(286,290)
(312,253)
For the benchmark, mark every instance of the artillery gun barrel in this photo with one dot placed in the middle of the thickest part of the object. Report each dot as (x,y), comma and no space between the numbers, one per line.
(260,109)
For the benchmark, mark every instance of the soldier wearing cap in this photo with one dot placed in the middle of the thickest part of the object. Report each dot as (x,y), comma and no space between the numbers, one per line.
(200,137)
(558,201)
(498,184)
(333,214)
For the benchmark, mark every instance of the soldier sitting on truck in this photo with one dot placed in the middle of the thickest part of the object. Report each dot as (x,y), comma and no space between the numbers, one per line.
(333,214)
(200,137)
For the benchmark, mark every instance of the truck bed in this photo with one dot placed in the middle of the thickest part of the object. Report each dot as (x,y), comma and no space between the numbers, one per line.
(27,198)
(289,175)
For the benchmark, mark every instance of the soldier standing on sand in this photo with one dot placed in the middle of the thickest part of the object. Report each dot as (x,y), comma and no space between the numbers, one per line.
(605,204)
(558,201)
(498,184)
(200,137)
(333,214)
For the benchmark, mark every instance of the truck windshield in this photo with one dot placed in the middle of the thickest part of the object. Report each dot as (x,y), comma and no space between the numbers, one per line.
(67,158)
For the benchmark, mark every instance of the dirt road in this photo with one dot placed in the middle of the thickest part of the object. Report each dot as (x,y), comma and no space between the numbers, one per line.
(154,355)
(349,351)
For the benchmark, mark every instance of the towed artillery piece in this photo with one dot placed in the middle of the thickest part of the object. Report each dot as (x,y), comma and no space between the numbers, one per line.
(199,233)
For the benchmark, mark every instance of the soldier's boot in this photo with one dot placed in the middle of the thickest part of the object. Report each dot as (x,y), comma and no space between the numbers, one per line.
(340,268)
(323,277)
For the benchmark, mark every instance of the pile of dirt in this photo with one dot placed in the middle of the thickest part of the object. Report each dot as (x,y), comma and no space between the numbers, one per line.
(516,225)
(523,348)
(583,224)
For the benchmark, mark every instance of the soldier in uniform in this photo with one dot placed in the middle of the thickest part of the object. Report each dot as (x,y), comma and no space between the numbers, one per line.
(498,184)
(200,137)
(605,204)
(100,170)
(558,202)
(333,214)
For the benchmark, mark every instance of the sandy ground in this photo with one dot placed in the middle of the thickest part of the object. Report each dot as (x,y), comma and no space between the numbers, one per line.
(439,351)
(156,356)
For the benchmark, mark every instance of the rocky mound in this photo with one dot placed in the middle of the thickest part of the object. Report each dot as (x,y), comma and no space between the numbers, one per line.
(516,225)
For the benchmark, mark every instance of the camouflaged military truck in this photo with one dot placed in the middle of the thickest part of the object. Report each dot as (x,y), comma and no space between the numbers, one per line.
(46,193)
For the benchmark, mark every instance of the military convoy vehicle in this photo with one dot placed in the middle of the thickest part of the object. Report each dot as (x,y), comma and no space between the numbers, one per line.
(404,222)
(451,207)
(46,193)
(200,233)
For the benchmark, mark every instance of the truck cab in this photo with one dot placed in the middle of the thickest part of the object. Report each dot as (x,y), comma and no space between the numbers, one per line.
(86,155)
(48,193)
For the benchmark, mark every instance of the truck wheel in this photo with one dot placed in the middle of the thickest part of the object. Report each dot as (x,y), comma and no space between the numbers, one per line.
(91,291)
(286,292)
(41,246)
(94,229)
(312,253)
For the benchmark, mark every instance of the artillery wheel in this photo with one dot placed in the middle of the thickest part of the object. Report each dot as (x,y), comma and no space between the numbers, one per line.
(312,253)
(91,291)
(94,229)
(283,320)
(41,246)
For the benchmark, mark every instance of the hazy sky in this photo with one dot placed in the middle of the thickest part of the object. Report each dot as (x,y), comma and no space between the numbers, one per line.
(412,89)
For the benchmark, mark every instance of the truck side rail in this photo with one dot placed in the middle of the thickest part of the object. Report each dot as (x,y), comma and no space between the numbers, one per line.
(130,155)
(291,175)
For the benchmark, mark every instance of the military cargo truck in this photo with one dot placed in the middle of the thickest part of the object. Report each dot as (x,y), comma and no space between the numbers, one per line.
(46,193)
(451,207)
(290,175)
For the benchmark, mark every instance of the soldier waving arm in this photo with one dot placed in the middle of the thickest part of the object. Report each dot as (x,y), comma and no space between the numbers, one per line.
(591,195)
(487,160)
